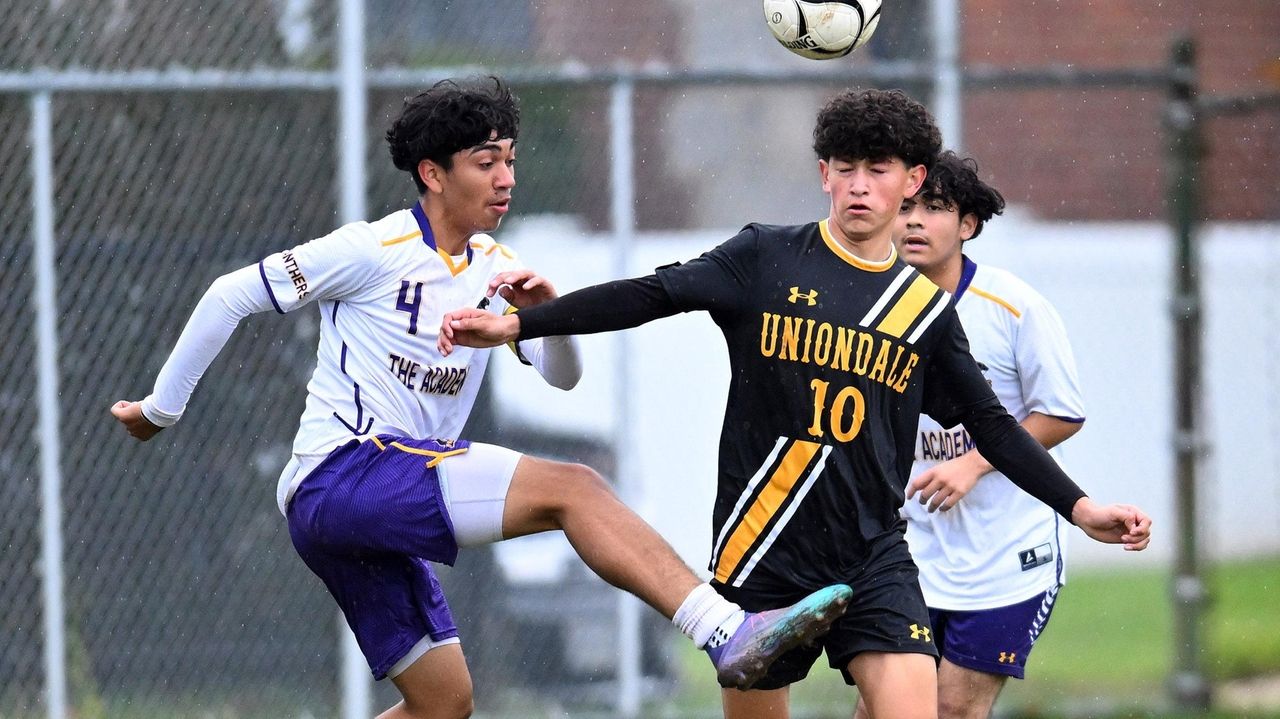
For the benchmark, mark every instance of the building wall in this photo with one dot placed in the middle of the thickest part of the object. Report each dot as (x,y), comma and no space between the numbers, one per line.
(1100,154)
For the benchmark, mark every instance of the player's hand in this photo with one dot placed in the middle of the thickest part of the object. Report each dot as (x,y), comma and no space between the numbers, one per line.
(130,415)
(943,485)
(1113,524)
(473,327)
(521,288)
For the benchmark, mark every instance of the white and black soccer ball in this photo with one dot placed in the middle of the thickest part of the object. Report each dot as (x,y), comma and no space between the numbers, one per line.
(822,30)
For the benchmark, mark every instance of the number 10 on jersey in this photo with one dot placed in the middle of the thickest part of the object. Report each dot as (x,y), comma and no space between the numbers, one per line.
(844,415)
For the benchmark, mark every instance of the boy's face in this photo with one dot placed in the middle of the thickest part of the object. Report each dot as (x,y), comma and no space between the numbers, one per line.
(476,191)
(866,194)
(929,233)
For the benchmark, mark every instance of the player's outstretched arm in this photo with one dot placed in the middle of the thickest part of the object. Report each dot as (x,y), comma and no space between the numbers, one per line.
(472,327)
(606,307)
(228,300)
(1113,523)
(960,395)
(130,415)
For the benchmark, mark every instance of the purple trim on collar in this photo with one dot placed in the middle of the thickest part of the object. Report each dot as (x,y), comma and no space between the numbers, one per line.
(429,237)
(262,270)
(967,269)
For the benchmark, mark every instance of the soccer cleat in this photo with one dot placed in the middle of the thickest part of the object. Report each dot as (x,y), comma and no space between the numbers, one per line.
(764,636)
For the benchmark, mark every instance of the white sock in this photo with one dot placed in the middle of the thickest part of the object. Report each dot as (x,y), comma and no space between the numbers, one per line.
(708,618)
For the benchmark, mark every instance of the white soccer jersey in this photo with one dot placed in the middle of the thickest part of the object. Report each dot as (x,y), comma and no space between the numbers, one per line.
(382,289)
(998,545)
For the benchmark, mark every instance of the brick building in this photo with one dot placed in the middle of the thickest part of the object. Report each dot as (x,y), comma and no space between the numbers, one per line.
(1065,153)
(1044,148)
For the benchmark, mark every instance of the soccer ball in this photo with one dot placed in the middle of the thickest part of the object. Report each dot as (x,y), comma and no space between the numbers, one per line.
(822,30)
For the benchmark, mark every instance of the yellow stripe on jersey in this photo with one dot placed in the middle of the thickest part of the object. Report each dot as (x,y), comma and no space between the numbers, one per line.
(495,246)
(993,298)
(853,259)
(765,507)
(908,307)
(454,268)
(402,238)
(512,344)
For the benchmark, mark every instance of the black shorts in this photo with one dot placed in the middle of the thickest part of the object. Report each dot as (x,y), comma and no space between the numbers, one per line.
(887,614)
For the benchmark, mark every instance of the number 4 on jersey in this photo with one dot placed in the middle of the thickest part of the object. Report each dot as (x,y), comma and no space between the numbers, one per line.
(404,304)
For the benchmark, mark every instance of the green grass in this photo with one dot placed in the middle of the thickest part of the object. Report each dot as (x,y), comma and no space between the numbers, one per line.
(1107,652)
(1111,638)
(1243,613)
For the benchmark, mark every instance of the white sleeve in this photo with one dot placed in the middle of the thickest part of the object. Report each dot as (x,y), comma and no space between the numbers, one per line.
(557,359)
(338,265)
(1046,365)
(228,300)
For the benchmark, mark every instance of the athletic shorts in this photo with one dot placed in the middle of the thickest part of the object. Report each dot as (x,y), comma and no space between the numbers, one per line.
(370,519)
(994,641)
(887,614)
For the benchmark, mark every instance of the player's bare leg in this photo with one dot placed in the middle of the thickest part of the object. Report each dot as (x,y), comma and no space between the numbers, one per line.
(860,710)
(896,686)
(436,686)
(756,703)
(614,542)
(966,694)
(962,693)
(626,552)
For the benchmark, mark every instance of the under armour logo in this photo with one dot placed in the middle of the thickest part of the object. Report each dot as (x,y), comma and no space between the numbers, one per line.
(919,632)
(1008,657)
(811,297)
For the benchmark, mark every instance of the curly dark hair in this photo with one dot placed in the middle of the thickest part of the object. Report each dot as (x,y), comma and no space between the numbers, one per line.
(954,181)
(876,125)
(449,117)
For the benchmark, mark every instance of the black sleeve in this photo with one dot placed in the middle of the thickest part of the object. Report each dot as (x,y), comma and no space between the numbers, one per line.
(957,393)
(1012,450)
(718,281)
(953,383)
(606,307)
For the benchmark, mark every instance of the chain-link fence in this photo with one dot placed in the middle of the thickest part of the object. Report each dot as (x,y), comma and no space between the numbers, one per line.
(188,139)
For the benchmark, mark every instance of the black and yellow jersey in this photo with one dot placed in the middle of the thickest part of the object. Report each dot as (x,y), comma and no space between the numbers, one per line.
(833,359)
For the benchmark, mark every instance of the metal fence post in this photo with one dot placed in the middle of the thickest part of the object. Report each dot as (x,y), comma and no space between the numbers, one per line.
(353,104)
(622,212)
(948,104)
(46,311)
(1188,685)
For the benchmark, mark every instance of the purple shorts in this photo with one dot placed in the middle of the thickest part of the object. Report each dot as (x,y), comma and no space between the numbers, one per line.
(994,641)
(368,521)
